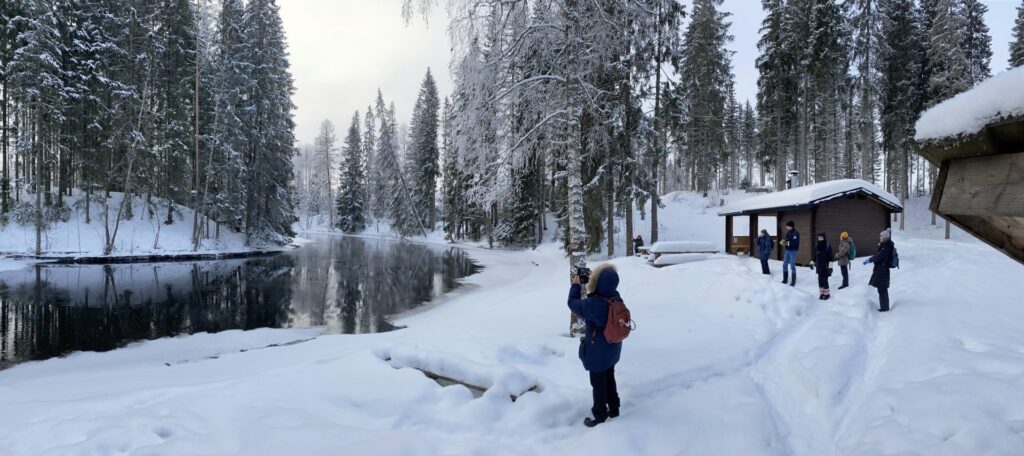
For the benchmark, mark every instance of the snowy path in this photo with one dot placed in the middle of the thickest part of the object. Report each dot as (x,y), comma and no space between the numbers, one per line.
(725,361)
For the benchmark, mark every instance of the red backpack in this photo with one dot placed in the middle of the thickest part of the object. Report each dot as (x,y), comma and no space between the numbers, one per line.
(619,324)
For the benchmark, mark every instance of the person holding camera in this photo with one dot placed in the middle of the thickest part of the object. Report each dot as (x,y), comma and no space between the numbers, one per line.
(823,265)
(598,355)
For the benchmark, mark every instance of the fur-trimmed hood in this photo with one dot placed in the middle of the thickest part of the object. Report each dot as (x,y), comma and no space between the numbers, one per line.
(604,280)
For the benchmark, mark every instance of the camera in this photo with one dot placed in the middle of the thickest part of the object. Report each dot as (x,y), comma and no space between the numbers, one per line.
(583,273)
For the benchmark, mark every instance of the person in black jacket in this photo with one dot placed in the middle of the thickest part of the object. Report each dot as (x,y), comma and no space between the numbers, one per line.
(792,244)
(822,265)
(598,355)
(764,250)
(882,261)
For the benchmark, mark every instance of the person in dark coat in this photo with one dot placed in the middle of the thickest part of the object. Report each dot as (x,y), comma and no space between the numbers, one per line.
(599,357)
(792,245)
(882,260)
(637,243)
(843,257)
(823,265)
(764,250)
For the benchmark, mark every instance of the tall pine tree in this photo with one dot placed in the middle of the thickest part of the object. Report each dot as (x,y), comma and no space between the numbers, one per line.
(351,201)
(1017,44)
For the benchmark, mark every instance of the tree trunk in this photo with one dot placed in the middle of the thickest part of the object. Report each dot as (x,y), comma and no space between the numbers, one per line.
(628,204)
(39,194)
(610,184)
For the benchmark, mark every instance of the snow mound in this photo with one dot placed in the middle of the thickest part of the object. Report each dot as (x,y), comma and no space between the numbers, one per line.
(997,98)
(679,258)
(682,247)
(810,194)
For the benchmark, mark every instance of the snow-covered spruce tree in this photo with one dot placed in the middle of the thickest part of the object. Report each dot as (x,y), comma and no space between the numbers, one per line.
(950,69)
(227,202)
(37,86)
(900,70)
(827,67)
(777,90)
(369,163)
(175,95)
(977,44)
(351,201)
(704,85)
(270,128)
(749,139)
(421,163)
(1017,43)
(866,29)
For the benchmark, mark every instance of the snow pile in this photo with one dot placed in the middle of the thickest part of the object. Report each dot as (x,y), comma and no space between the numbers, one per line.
(143,234)
(724,361)
(810,194)
(679,258)
(997,98)
(682,247)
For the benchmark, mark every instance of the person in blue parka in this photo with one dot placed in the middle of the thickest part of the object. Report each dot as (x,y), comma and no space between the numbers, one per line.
(599,357)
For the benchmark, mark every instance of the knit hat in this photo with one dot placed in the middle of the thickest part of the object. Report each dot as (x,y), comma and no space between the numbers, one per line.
(844,235)
(887,234)
(790,224)
(764,231)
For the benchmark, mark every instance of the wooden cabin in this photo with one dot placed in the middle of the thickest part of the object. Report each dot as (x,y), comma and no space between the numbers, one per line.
(852,205)
(977,141)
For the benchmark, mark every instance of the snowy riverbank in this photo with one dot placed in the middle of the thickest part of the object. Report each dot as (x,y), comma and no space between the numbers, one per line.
(724,361)
(143,236)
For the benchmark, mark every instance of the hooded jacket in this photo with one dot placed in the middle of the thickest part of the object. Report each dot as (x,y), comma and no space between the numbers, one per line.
(822,255)
(764,246)
(596,353)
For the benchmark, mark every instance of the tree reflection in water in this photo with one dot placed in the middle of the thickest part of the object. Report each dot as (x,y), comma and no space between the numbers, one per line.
(350,285)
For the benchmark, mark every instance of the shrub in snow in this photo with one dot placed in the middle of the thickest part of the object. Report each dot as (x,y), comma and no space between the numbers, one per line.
(24,213)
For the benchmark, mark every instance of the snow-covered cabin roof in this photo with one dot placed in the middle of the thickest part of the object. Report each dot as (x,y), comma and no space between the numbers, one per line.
(810,195)
(998,98)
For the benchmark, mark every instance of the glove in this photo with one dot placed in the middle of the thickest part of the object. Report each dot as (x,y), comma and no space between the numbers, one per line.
(867,261)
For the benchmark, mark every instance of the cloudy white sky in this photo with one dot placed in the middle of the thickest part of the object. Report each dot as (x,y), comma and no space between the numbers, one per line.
(342,51)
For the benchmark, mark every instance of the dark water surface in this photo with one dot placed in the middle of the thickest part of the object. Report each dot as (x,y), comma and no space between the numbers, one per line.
(350,285)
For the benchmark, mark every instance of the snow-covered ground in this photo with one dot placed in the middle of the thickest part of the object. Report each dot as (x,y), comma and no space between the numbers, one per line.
(141,235)
(724,361)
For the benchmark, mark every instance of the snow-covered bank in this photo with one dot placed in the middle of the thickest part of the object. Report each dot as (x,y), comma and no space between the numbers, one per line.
(143,235)
(724,361)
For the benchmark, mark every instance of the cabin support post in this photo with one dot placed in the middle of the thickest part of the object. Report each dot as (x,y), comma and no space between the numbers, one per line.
(753,233)
(728,234)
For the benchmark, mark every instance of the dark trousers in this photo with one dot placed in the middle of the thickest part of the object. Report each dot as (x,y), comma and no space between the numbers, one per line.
(883,299)
(846,275)
(764,266)
(823,280)
(606,396)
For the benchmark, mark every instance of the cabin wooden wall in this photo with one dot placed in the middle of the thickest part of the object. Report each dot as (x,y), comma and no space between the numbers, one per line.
(863,218)
(802,220)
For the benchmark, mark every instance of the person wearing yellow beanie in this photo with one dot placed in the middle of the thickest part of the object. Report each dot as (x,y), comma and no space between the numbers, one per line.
(843,257)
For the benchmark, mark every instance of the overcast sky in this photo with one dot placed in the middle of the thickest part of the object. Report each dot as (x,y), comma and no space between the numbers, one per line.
(342,51)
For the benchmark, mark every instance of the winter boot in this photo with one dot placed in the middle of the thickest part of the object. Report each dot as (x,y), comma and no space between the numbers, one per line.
(591,422)
(613,413)
(785,276)
(843,286)
(793,283)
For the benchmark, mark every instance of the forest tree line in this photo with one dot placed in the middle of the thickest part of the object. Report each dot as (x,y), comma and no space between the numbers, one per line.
(590,109)
(169,102)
